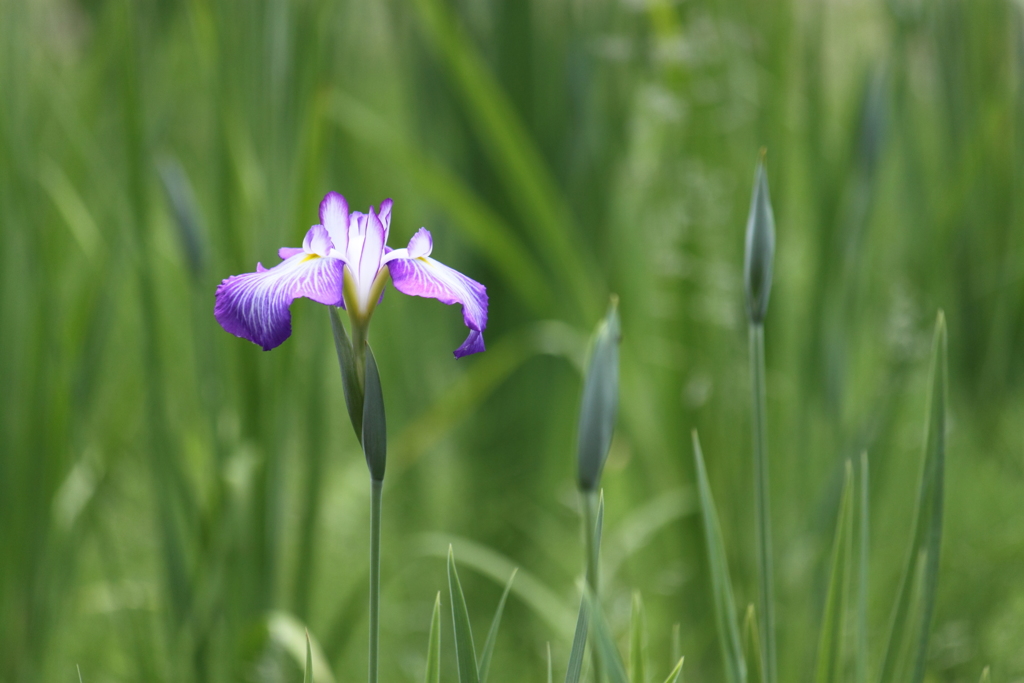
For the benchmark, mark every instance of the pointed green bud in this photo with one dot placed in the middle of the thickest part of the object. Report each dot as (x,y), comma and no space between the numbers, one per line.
(600,404)
(375,440)
(760,247)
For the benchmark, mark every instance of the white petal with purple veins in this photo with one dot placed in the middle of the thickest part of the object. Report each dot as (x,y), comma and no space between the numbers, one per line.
(334,217)
(432,279)
(254,306)
(317,241)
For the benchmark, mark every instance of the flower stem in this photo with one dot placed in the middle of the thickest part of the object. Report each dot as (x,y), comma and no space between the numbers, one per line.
(762,514)
(590,503)
(375,498)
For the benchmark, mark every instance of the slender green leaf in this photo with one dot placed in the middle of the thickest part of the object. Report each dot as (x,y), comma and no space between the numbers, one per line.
(492,634)
(433,674)
(307,677)
(863,517)
(465,651)
(637,641)
(579,640)
(721,584)
(907,646)
(677,645)
(349,378)
(831,639)
(79,669)
(676,675)
(551,670)
(604,642)
(375,433)
(752,652)
(545,602)
(986,676)
(579,643)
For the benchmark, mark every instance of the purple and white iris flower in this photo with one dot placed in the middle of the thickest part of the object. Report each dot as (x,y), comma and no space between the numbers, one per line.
(345,261)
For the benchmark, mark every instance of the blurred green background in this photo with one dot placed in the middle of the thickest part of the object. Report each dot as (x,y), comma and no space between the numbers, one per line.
(175,504)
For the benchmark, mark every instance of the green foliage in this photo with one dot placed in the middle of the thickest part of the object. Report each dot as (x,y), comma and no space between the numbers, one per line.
(177,505)
(721,585)
(433,670)
(492,634)
(465,651)
(307,676)
(637,641)
(915,601)
(831,641)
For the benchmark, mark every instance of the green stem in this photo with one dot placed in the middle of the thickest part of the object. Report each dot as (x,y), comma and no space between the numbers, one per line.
(375,497)
(590,502)
(762,513)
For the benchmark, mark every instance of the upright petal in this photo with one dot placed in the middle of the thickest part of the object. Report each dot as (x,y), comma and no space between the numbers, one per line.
(385,216)
(254,306)
(317,241)
(372,252)
(421,244)
(432,279)
(334,217)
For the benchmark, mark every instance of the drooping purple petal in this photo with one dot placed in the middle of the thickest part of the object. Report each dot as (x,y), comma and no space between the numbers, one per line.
(429,278)
(288,252)
(334,217)
(254,306)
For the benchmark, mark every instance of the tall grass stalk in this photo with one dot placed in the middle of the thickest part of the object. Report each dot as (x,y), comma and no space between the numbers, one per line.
(762,507)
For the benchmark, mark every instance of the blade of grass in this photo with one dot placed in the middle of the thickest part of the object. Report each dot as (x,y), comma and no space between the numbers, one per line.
(637,641)
(579,640)
(544,602)
(292,636)
(752,652)
(831,640)
(986,676)
(492,634)
(433,674)
(579,644)
(465,651)
(307,677)
(676,675)
(907,647)
(604,643)
(721,584)
(861,664)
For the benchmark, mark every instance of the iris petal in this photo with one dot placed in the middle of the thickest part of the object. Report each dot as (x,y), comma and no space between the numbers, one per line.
(429,278)
(334,217)
(254,306)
